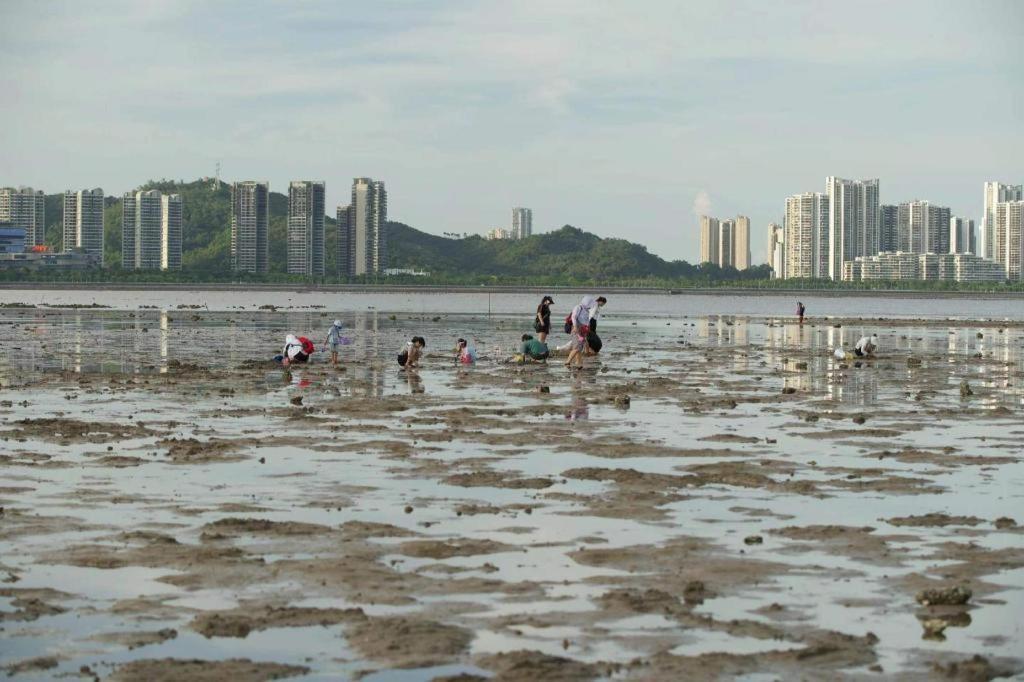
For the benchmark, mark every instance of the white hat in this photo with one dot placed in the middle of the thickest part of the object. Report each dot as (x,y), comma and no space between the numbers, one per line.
(337,323)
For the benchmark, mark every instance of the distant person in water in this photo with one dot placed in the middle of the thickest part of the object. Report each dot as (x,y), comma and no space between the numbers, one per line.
(464,352)
(800,311)
(334,340)
(579,326)
(410,356)
(542,320)
(866,346)
(534,349)
(297,349)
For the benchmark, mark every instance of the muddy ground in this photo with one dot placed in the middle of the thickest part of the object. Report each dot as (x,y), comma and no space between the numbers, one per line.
(711,497)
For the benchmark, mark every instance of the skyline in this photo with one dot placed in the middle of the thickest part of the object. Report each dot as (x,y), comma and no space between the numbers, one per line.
(467,109)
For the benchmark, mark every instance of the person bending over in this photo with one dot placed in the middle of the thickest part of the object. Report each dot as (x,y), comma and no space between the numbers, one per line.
(534,349)
(411,354)
(866,346)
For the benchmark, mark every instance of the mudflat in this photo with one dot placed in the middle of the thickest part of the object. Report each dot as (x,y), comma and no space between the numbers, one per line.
(709,497)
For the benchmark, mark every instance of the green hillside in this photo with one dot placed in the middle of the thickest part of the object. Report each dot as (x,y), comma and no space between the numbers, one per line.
(565,256)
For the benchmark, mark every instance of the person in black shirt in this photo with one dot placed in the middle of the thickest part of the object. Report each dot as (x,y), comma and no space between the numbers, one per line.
(542,321)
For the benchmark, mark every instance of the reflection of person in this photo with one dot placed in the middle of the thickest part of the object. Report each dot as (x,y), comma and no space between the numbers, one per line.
(415,383)
(800,309)
(866,346)
(410,355)
(534,349)
(542,320)
(464,353)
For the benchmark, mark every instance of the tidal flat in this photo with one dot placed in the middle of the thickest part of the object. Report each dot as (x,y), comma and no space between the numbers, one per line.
(712,497)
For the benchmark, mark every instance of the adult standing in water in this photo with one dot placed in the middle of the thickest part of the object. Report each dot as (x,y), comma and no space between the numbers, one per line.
(800,311)
(542,320)
(594,343)
(579,321)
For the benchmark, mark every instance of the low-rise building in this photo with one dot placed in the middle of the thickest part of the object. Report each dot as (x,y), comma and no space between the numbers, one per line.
(12,239)
(36,261)
(933,267)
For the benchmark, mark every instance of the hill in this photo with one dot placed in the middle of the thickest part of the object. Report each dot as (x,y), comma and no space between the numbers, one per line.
(565,256)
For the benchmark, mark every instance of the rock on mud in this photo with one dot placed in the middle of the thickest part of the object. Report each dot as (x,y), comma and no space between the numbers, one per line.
(946,596)
(175,669)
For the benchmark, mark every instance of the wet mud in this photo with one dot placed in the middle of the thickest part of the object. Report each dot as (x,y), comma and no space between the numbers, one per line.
(711,497)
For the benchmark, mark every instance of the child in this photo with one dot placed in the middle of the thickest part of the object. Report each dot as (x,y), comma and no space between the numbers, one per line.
(464,353)
(334,340)
(410,356)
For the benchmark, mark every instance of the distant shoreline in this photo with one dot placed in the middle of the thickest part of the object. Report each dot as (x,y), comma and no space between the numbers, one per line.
(509,289)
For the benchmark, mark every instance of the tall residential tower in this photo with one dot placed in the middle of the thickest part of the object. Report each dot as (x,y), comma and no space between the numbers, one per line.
(522,223)
(852,221)
(995,193)
(365,230)
(25,209)
(83,222)
(250,225)
(806,236)
(151,231)
(306,228)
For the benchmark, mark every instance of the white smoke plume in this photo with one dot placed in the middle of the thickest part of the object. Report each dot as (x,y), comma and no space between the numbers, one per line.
(701,204)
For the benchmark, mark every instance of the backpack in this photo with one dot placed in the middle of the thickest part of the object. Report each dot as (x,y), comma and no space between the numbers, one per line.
(307,345)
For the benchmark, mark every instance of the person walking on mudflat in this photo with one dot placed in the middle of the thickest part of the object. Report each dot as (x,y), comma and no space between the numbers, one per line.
(542,320)
(800,311)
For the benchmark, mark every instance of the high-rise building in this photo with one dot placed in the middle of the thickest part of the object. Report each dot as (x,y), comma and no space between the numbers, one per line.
(888,228)
(306,228)
(995,193)
(961,235)
(777,250)
(852,221)
(806,236)
(368,225)
(726,244)
(250,226)
(522,223)
(346,240)
(922,227)
(1008,238)
(741,243)
(151,231)
(708,239)
(25,208)
(83,222)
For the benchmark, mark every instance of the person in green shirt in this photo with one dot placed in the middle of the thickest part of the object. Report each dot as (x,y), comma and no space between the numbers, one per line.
(532,349)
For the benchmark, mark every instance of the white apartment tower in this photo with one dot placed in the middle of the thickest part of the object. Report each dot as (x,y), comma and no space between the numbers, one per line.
(806,236)
(151,231)
(250,226)
(995,193)
(306,228)
(741,243)
(365,230)
(708,239)
(522,223)
(961,235)
(25,208)
(776,250)
(852,221)
(1008,238)
(83,222)
(922,228)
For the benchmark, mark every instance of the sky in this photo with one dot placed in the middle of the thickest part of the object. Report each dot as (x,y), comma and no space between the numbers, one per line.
(623,119)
